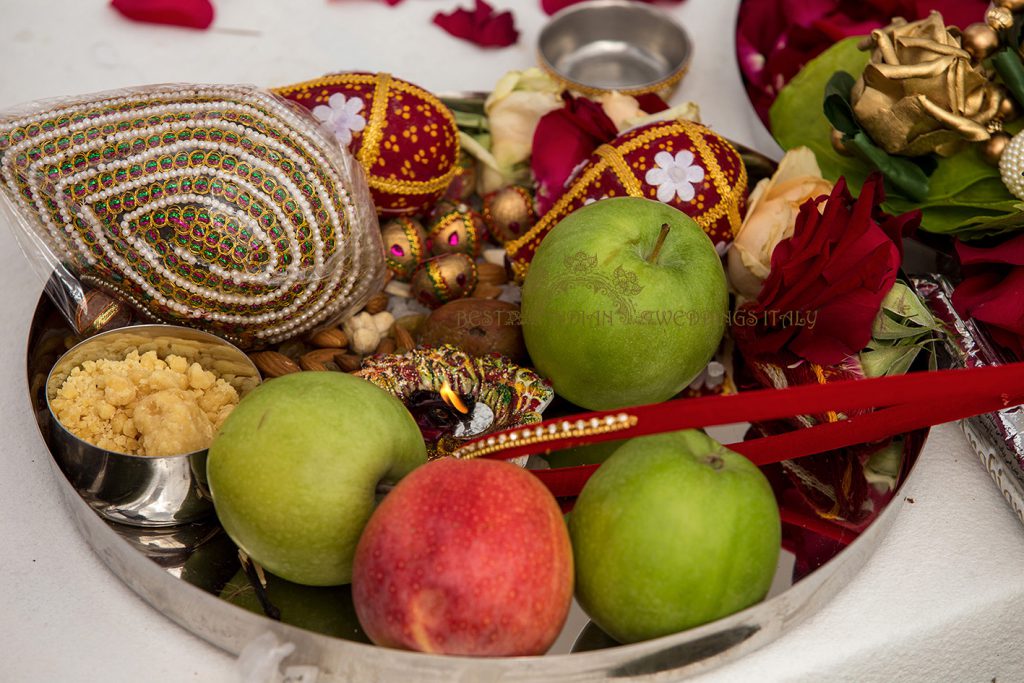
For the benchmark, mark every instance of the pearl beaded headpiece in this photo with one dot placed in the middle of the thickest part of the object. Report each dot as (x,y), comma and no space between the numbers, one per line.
(220,207)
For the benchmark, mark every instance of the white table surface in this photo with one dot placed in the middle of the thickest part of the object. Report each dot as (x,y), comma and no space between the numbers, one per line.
(941,599)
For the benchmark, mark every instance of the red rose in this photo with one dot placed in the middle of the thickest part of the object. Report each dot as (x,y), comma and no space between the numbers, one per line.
(563,140)
(828,280)
(991,290)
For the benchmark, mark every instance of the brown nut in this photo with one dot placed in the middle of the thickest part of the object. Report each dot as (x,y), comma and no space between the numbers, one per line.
(331,338)
(319,360)
(491,273)
(477,326)
(486,291)
(404,343)
(273,364)
(387,345)
(348,362)
(377,303)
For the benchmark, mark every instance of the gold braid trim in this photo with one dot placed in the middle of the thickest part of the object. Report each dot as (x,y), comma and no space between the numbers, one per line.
(370,149)
(621,170)
(395,186)
(666,85)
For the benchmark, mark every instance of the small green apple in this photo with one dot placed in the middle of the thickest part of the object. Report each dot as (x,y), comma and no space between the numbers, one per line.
(294,469)
(672,531)
(625,303)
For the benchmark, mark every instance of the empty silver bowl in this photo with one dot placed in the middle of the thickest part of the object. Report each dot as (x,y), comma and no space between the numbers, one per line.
(144,490)
(621,45)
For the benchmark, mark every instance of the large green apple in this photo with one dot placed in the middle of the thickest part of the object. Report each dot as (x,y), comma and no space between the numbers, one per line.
(672,531)
(294,469)
(625,303)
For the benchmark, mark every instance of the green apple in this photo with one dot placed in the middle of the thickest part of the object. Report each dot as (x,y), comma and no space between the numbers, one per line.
(672,531)
(625,302)
(294,469)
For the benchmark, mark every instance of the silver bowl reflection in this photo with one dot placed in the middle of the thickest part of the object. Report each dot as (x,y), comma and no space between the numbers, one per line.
(143,490)
(621,45)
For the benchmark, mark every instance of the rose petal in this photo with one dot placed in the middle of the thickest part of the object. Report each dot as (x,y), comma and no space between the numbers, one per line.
(481,26)
(189,13)
(563,139)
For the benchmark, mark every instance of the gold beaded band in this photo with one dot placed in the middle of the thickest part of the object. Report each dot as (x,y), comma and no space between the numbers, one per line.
(546,433)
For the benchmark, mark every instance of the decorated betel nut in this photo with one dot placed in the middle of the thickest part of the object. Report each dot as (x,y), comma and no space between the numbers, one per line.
(405,245)
(444,278)
(98,311)
(457,232)
(509,213)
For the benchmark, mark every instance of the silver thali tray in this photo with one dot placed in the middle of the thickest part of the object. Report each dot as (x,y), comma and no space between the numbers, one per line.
(181,571)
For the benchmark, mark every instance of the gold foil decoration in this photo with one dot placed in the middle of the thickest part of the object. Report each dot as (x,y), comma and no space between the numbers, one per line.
(920,93)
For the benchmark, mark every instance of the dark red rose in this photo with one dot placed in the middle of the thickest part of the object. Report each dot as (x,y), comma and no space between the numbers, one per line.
(481,25)
(828,280)
(992,290)
(189,13)
(564,139)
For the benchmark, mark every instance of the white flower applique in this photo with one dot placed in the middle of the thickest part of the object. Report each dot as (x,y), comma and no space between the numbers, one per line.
(675,176)
(342,116)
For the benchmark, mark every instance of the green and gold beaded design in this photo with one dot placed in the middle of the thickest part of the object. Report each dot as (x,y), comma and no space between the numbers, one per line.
(214,206)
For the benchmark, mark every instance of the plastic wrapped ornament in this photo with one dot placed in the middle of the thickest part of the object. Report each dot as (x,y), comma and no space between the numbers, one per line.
(509,213)
(218,207)
(457,232)
(444,278)
(680,163)
(404,137)
(405,246)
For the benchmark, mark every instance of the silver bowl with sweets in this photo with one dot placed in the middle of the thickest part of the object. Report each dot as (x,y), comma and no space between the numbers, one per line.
(133,411)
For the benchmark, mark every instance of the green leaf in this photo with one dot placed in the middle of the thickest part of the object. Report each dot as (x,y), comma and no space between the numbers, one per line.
(900,171)
(1007,62)
(904,302)
(837,107)
(965,195)
(891,360)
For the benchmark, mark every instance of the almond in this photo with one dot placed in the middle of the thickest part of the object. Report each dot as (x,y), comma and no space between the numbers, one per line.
(319,360)
(348,362)
(273,364)
(491,273)
(331,338)
(377,303)
(387,345)
(486,291)
(404,343)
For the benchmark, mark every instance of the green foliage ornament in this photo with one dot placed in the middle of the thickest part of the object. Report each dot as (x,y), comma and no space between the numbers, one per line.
(963,196)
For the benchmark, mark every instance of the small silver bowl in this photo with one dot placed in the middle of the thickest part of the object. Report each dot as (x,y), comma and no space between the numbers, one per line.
(144,490)
(603,45)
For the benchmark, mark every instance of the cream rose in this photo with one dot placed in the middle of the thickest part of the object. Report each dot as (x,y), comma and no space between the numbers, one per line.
(771,215)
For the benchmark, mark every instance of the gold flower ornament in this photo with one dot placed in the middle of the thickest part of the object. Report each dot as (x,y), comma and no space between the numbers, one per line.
(920,93)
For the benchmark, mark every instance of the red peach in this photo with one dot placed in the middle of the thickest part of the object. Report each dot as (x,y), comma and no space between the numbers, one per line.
(467,557)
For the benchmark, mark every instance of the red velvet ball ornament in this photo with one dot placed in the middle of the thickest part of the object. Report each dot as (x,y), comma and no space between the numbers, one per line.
(404,137)
(680,163)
